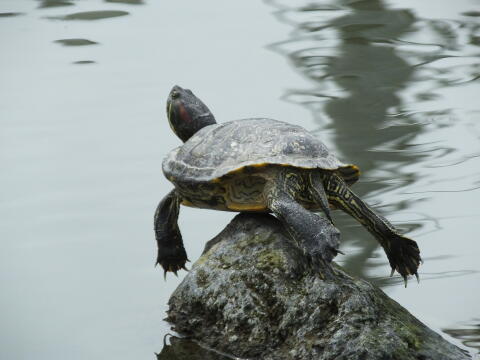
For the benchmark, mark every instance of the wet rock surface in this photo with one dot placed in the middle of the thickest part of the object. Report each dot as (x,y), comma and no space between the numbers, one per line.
(176,348)
(252,295)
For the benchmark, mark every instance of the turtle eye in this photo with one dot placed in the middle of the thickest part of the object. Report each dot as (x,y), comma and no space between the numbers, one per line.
(175,94)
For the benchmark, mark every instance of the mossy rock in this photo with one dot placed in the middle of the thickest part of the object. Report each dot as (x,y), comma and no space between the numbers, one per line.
(253,295)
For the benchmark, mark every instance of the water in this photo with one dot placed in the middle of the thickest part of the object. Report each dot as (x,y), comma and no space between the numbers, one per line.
(395,87)
(391,86)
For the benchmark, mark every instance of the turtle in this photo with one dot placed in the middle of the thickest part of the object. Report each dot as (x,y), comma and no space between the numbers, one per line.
(267,166)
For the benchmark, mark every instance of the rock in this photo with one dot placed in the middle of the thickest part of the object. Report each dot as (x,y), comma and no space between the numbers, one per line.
(184,349)
(252,295)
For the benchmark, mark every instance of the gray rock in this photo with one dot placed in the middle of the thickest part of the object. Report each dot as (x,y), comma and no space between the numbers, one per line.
(184,349)
(252,294)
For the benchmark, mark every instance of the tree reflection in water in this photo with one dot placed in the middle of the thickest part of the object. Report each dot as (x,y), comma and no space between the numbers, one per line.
(355,54)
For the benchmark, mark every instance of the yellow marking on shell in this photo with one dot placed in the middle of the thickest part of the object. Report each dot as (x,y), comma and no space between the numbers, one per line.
(187,203)
(246,207)
(356,168)
(352,169)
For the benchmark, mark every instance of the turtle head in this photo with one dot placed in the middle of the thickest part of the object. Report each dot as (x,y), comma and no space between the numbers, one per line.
(186,113)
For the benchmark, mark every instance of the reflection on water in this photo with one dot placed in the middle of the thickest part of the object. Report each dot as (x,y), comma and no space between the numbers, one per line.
(387,89)
(54,3)
(471,13)
(91,15)
(83,62)
(468,334)
(366,75)
(129,2)
(75,42)
(10,14)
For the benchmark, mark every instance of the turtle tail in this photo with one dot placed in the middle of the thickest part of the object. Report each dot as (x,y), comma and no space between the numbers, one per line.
(402,252)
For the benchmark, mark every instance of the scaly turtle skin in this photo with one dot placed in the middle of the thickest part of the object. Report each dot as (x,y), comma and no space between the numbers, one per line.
(264,165)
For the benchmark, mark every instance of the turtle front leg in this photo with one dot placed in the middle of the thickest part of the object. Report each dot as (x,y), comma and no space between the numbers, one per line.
(317,191)
(315,234)
(171,253)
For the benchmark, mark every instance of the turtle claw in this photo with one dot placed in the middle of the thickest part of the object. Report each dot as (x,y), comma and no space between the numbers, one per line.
(404,256)
(171,259)
(405,276)
(172,267)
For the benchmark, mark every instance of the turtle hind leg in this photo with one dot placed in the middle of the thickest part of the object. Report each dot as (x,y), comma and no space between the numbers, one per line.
(171,252)
(403,253)
(315,234)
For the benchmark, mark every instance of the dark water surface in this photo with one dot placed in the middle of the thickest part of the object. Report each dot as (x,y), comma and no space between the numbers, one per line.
(391,86)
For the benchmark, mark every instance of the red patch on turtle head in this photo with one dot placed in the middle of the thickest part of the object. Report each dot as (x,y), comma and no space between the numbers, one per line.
(184,115)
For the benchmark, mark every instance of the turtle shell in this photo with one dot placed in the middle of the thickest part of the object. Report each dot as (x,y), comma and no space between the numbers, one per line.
(219,149)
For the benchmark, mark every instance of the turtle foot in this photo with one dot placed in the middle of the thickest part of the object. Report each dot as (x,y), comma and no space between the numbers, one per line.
(320,266)
(322,248)
(404,257)
(172,259)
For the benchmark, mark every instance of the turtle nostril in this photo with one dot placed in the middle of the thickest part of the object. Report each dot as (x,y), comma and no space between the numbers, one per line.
(175,94)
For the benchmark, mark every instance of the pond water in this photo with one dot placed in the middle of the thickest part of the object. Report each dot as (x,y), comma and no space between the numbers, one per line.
(392,86)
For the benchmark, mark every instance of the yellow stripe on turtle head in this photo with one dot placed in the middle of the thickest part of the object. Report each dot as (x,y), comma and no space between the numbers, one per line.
(169,116)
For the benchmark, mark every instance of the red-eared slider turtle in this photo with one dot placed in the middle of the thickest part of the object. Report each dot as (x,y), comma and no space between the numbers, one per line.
(264,165)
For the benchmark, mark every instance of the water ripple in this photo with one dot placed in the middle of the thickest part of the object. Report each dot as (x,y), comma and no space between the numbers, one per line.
(75,42)
(468,333)
(84,62)
(54,3)
(392,92)
(127,2)
(10,14)
(91,15)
